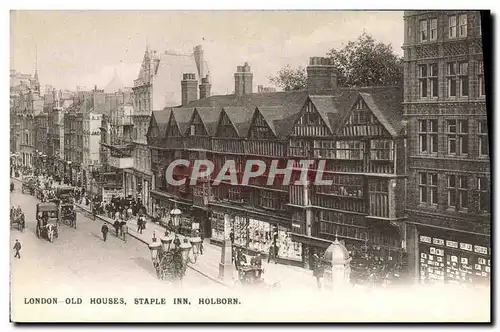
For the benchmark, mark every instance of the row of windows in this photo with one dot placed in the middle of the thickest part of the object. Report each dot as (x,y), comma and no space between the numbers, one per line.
(457,79)
(457,28)
(457,191)
(456,134)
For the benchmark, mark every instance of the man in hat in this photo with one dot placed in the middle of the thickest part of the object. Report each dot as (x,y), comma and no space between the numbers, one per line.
(104,231)
(17,248)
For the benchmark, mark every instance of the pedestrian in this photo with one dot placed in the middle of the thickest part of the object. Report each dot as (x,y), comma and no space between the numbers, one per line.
(201,243)
(318,271)
(124,231)
(116,224)
(17,248)
(231,236)
(104,231)
(11,186)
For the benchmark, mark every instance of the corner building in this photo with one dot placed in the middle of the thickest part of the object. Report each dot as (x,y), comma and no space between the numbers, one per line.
(356,131)
(449,181)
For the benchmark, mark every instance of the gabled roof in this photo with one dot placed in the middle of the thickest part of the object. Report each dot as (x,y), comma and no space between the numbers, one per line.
(282,109)
(386,105)
(183,117)
(161,118)
(279,118)
(210,118)
(240,118)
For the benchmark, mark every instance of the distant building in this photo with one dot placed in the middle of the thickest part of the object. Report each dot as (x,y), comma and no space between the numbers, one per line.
(156,87)
(263,89)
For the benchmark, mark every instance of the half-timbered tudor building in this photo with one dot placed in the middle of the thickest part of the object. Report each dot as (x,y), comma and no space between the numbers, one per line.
(356,132)
(449,209)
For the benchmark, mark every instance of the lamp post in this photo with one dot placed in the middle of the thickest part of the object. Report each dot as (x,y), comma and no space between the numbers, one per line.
(174,214)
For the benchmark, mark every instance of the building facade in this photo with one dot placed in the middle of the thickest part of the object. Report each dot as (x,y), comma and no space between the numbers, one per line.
(157,87)
(355,133)
(449,179)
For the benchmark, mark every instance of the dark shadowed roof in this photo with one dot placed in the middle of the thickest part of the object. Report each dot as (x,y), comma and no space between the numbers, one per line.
(279,118)
(387,100)
(161,118)
(210,118)
(282,109)
(241,118)
(182,116)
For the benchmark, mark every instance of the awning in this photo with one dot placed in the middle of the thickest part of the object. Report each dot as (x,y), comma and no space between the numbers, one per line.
(311,240)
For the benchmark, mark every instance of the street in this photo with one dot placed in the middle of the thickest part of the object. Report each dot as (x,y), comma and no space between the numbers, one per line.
(80,262)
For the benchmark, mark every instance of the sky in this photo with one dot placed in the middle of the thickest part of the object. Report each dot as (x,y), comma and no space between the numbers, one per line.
(85,47)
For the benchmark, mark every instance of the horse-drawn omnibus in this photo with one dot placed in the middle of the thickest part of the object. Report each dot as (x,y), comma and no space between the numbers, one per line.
(47,221)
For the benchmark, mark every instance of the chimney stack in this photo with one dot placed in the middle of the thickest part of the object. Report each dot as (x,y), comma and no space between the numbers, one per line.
(321,75)
(189,88)
(205,87)
(199,59)
(243,80)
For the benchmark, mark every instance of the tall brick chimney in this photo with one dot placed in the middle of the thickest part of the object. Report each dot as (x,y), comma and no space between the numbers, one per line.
(205,87)
(199,59)
(321,75)
(243,80)
(189,88)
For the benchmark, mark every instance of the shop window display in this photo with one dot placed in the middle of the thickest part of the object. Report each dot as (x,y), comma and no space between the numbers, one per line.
(256,235)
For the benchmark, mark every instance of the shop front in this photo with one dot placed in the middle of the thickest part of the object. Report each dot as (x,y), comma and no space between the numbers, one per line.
(453,257)
(184,221)
(255,232)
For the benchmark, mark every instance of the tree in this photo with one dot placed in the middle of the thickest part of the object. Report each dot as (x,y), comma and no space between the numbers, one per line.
(290,79)
(365,62)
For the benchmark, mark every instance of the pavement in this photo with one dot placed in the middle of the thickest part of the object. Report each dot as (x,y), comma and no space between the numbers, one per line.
(288,277)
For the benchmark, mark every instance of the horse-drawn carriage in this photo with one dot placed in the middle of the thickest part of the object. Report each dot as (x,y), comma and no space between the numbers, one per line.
(68,214)
(47,221)
(29,184)
(17,219)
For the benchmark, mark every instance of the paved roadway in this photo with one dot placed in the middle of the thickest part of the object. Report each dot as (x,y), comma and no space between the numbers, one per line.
(79,262)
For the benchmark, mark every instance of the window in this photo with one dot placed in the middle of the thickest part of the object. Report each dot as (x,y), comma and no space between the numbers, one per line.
(433,25)
(426,26)
(480,76)
(483,186)
(458,191)
(464,78)
(428,188)
(433,79)
(463,192)
(423,30)
(458,139)
(482,132)
(349,150)
(428,137)
(462,32)
(451,189)
(192,130)
(422,79)
(343,185)
(458,79)
(452,79)
(382,150)
(452,26)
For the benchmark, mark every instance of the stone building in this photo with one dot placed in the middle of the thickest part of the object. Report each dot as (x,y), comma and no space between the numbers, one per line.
(156,87)
(449,180)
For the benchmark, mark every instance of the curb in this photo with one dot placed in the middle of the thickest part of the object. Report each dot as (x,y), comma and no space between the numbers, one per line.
(145,242)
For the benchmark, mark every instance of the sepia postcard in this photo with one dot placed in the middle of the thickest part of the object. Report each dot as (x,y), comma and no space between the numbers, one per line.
(250,166)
